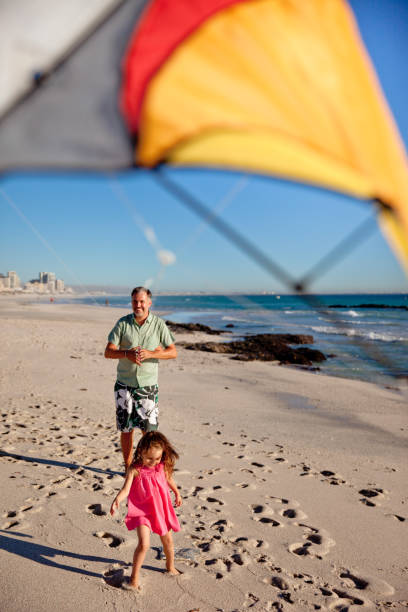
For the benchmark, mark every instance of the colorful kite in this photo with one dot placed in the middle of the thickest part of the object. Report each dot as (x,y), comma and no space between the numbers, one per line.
(278,87)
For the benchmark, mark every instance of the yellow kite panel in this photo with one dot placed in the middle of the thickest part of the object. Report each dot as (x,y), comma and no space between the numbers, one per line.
(289,81)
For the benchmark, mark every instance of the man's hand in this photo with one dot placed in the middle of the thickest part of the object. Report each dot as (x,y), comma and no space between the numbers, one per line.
(137,354)
(133,355)
(145,354)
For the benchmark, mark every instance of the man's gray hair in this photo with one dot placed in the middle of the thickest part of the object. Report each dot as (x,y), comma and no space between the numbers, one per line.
(139,290)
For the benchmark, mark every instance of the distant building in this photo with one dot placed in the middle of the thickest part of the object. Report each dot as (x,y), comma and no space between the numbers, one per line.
(47,277)
(10,282)
(4,281)
(45,283)
(14,280)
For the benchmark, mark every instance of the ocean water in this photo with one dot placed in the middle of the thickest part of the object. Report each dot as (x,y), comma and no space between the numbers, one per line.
(367,343)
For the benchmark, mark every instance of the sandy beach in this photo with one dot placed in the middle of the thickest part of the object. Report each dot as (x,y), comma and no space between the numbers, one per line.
(294,484)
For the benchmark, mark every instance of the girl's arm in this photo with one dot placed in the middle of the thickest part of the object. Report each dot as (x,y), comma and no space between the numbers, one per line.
(175,490)
(124,492)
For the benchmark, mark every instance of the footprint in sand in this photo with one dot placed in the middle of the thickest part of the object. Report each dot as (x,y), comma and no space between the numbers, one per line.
(371,585)
(110,540)
(114,576)
(10,514)
(214,500)
(18,514)
(279,583)
(229,563)
(218,487)
(306,470)
(332,478)
(283,588)
(369,494)
(280,500)
(261,515)
(397,605)
(316,543)
(397,517)
(292,511)
(207,546)
(221,525)
(240,541)
(250,601)
(262,559)
(96,510)
(259,544)
(353,581)
(194,492)
(347,601)
(10,525)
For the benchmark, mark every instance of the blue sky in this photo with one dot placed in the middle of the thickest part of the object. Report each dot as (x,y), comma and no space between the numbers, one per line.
(93,229)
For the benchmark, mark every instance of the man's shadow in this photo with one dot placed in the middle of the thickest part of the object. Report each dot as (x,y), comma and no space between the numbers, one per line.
(64,464)
(45,554)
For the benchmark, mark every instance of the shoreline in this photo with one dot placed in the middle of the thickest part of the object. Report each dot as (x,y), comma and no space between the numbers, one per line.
(103,293)
(64,311)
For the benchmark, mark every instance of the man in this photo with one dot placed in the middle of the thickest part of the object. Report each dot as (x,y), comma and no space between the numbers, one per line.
(138,340)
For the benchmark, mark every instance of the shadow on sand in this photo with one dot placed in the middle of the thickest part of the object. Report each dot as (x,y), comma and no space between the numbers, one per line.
(45,554)
(63,464)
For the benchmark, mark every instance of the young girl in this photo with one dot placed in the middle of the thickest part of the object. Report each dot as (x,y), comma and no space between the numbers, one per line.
(149,504)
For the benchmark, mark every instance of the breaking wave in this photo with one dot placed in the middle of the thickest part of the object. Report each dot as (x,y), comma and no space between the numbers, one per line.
(369,335)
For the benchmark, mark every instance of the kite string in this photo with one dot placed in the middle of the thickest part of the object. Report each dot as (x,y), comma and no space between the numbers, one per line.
(164,256)
(11,202)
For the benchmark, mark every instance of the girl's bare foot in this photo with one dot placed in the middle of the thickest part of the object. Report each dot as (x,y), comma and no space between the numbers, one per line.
(129,586)
(173,572)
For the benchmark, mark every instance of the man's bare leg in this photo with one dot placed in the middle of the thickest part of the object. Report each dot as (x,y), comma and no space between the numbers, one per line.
(126,442)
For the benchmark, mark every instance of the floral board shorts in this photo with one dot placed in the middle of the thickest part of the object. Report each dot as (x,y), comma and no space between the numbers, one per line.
(136,407)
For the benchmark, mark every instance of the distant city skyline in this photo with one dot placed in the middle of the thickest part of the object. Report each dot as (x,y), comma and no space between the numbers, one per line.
(47,282)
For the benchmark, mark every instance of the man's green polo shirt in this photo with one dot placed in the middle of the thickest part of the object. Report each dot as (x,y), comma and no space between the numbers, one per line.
(128,334)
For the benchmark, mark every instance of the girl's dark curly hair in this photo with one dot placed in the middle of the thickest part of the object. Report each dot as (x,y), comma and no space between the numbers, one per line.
(155,438)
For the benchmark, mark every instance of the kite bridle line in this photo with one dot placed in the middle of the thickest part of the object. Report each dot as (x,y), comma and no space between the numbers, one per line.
(363,231)
(211,218)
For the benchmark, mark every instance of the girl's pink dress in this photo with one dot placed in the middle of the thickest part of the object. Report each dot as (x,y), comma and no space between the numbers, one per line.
(149,501)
